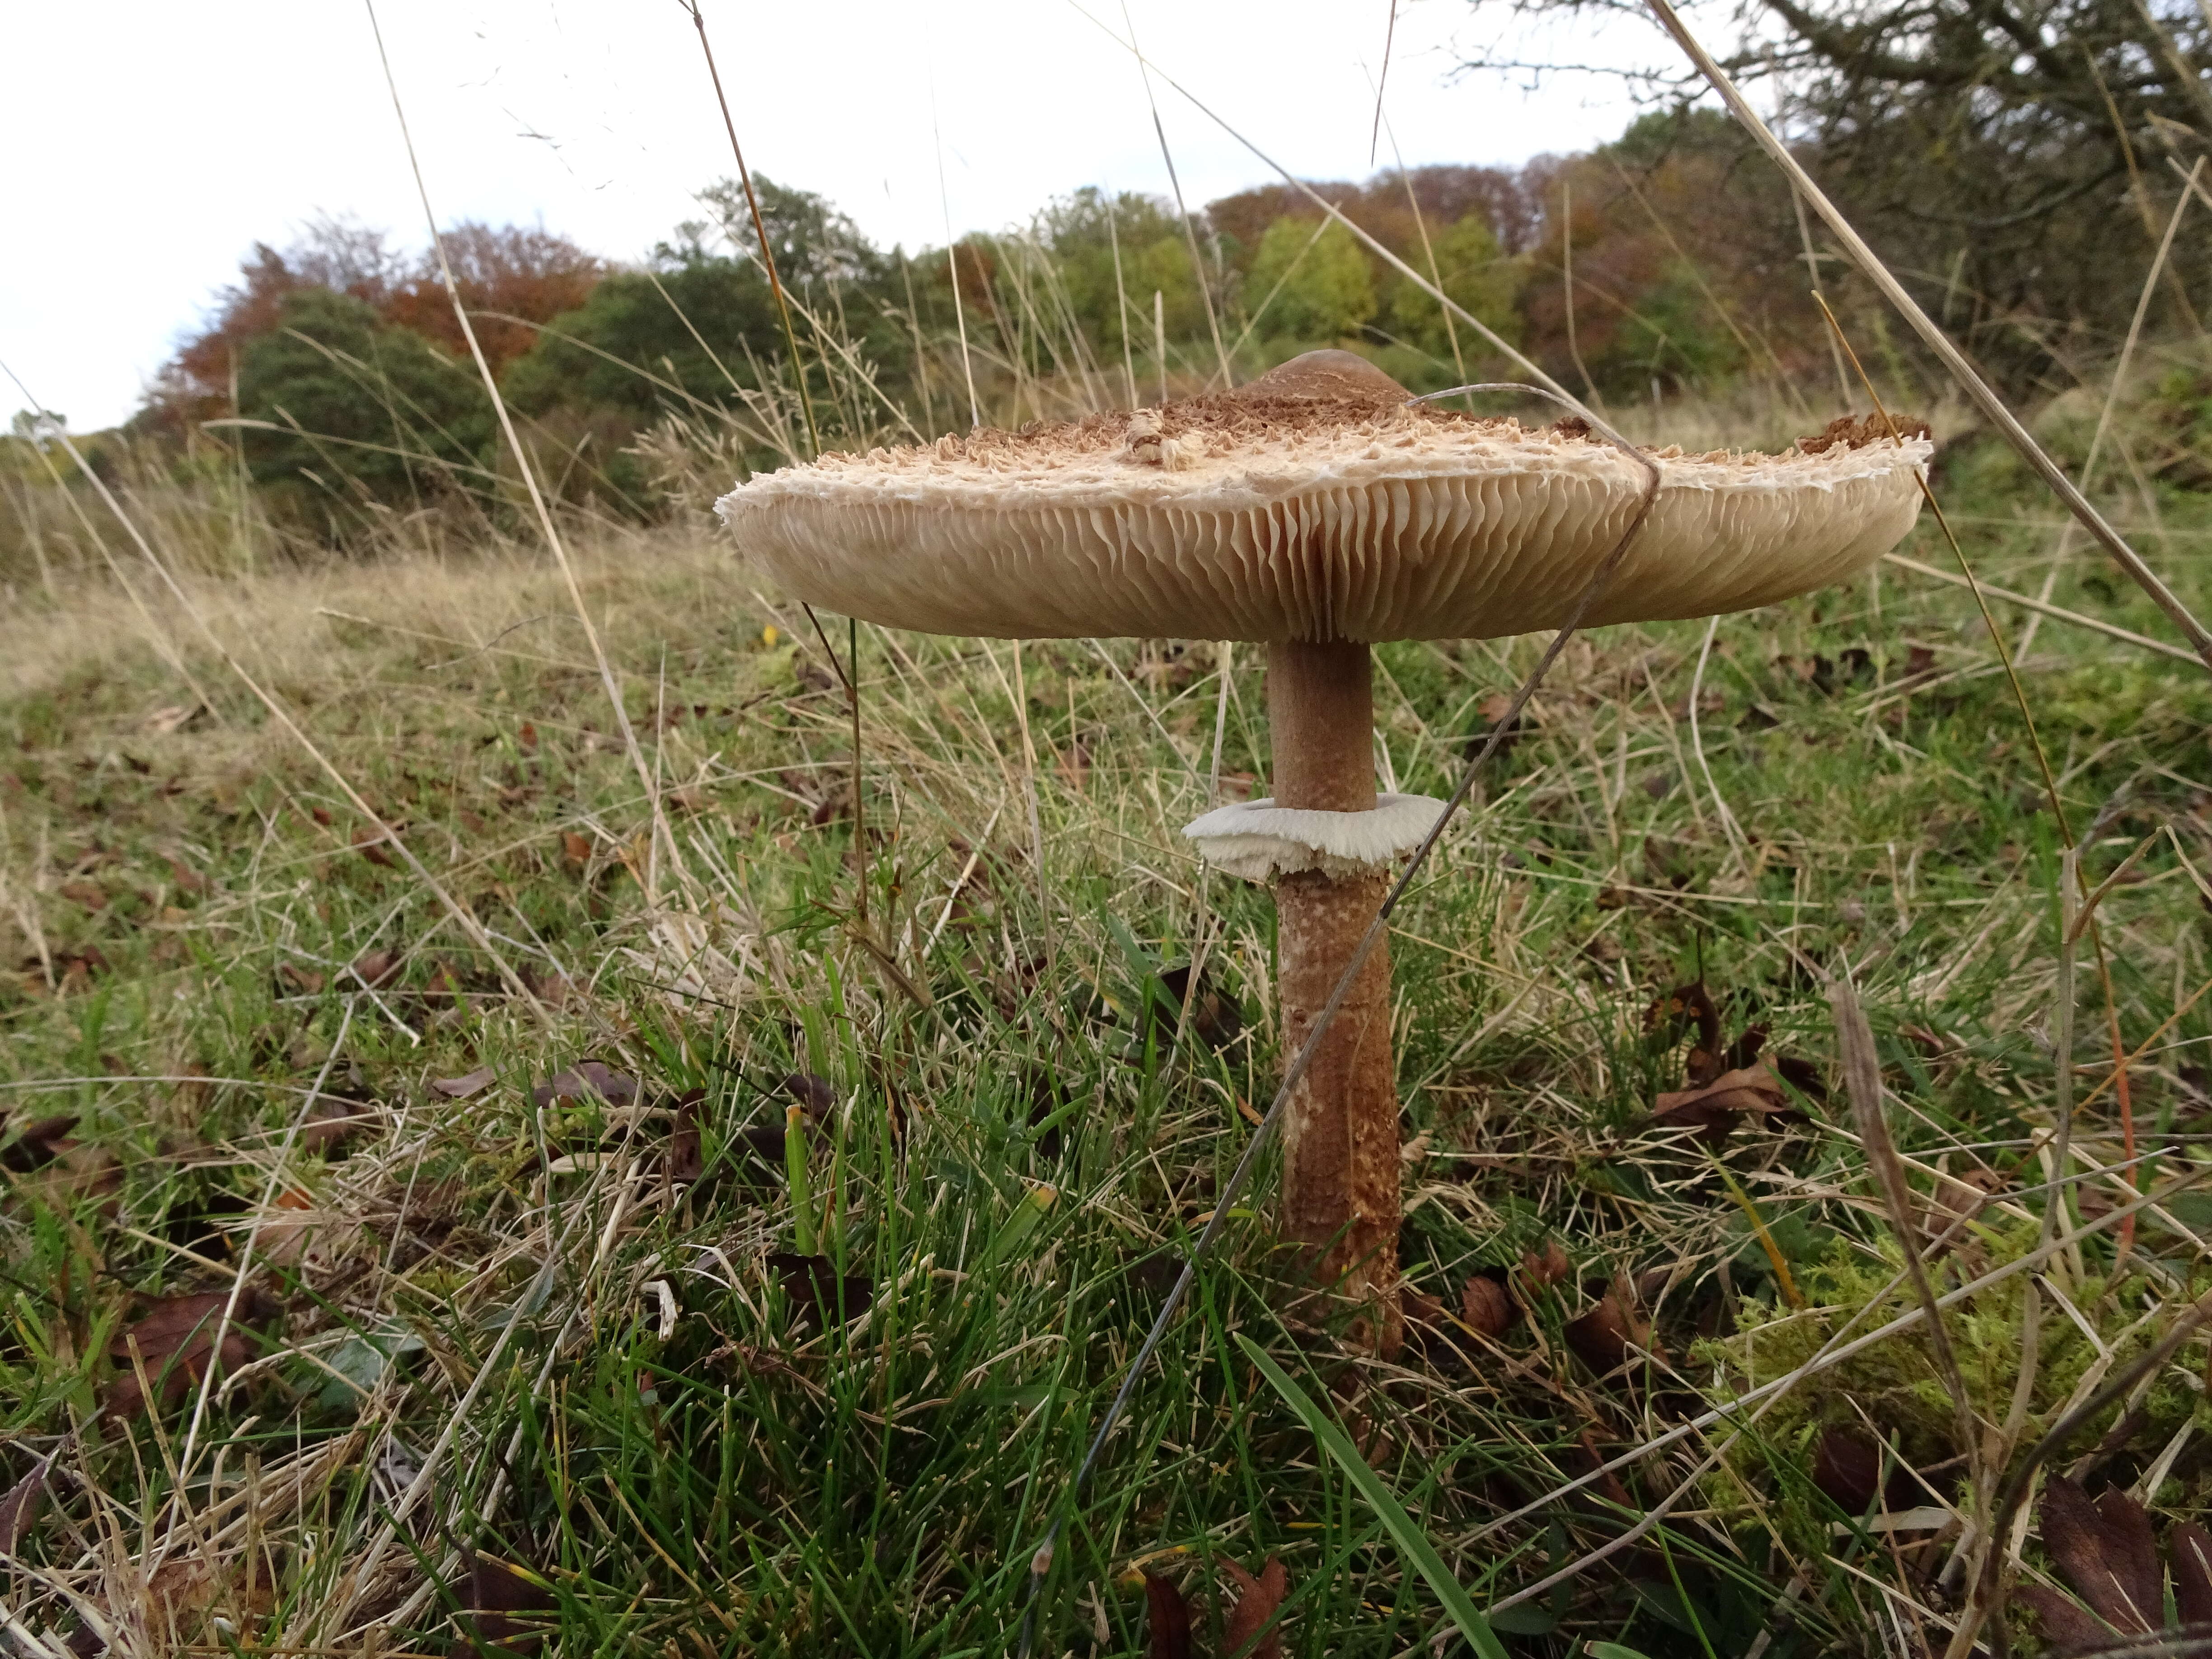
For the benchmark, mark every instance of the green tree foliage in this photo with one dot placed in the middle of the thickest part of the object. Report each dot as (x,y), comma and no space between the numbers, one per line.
(366,411)
(1082,231)
(647,343)
(1473,270)
(1323,287)
(816,246)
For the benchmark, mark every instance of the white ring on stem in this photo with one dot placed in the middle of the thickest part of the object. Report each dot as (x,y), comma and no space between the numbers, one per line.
(1258,840)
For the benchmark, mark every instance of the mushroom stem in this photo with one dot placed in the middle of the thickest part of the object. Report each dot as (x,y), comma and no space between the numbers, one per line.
(1340,1128)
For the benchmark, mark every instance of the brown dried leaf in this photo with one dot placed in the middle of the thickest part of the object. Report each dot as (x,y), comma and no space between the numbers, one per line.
(815,1287)
(89,893)
(1485,1306)
(334,1123)
(1258,1601)
(1603,1337)
(1847,1467)
(37,1145)
(19,1510)
(2104,1551)
(369,843)
(174,1341)
(812,1092)
(470,1083)
(1691,1003)
(294,980)
(587,1078)
(1168,1621)
(1548,1266)
(1714,1107)
(376,969)
(2070,1628)
(686,1158)
(2188,1547)
(497,1592)
(575,849)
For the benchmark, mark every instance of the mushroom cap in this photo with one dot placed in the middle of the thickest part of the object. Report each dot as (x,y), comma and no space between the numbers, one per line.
(1315,503)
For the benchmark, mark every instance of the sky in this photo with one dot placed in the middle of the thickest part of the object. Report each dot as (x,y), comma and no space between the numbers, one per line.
(156,143)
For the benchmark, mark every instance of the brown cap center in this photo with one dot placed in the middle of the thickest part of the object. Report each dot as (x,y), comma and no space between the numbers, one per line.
(1326,376)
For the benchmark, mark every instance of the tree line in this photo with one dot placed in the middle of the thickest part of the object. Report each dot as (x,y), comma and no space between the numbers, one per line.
(1669,262)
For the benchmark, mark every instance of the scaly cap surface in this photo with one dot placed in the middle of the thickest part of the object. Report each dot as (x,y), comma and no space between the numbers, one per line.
(1313,504)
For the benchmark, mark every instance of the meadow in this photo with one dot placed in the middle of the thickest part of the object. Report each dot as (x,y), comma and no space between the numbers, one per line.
(557,1104)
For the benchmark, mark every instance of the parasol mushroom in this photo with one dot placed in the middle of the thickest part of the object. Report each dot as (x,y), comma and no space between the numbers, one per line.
(1320,510)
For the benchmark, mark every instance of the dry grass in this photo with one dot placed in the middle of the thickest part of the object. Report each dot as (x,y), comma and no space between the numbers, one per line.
(498,1320)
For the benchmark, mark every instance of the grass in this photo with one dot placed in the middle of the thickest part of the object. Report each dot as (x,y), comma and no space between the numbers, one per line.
(545,1354)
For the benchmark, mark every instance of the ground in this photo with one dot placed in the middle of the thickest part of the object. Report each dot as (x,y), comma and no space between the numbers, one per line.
(658,1211)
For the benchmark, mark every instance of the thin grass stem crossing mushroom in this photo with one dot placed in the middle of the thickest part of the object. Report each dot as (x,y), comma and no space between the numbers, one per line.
(1320,510)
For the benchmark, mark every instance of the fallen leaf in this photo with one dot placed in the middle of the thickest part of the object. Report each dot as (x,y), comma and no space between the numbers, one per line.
(1485,1306)
(369,843)
(811,1091)
(37,1145)
(333,1123)
(174,1341)
(814,1286)
(284,1242)
(2105,1552)
(78,1170)
(527,737)
(587,1078)
(497,1592)
(1714,1107)
(2188,1548)
(2069,1627)
(188,879)
(1215,1016)
(1959,1198)
(1549,1266)
(470,1083)
(89,893)
(686,1158)
(575,849)
(1167,1634)
(174,718)
(1603,1338)
(294,980)
(191,1587)
(1847,1468)
(376,969)
(1692,1004)
(1258,1601)
(19,1510)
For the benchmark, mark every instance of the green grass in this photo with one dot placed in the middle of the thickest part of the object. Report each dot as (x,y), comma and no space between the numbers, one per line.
(753,1482)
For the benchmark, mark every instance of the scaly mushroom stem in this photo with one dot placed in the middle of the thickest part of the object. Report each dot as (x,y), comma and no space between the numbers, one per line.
(1340,1129)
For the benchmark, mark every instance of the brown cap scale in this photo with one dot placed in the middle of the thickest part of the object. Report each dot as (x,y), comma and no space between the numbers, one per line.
(1318,510)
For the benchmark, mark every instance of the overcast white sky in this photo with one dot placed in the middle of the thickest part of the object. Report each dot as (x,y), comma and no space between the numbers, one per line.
(154,143)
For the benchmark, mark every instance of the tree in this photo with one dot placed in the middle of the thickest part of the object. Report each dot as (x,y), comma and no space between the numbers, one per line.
(1309,287)
(816,246)
(364,411)
(1082,231)
(2007,158)
(339,254)
(1475,273)
(644,343)
(510,277)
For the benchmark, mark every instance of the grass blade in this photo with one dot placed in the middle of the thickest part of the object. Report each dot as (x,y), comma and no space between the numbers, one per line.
(1402,1526)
